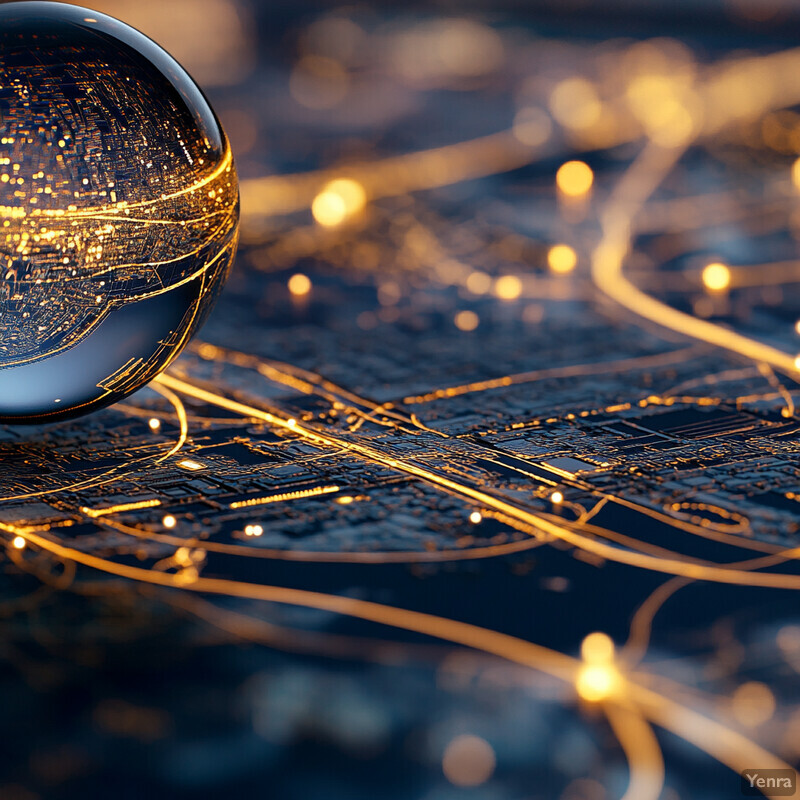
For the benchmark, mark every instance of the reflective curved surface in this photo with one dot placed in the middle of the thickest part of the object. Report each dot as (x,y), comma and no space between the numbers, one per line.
(119,208)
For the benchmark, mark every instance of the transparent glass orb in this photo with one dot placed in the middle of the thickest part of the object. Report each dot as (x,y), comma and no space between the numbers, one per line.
(119,210)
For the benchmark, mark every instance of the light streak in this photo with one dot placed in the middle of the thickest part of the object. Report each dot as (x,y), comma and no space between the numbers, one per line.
(118,509)
(280,498)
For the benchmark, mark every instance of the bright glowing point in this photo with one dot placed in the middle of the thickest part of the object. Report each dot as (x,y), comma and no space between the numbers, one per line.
(597,682)
(291,422)
(253,530)
(466,320)
(797,362)
(716,277)
(797,327)
(190,464)
(169,521)
(154,424)
(475,517)
(299,285)
(561,258)
(597,648)
(18,543)
(468,761)
(557,497)
(509,287)
(598,678)
(340,199)
(120,220)
(329,209)
(574,178)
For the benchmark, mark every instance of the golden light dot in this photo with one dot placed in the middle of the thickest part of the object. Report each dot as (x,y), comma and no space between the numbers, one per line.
(299,285)
(597,648)
(753,704)
(466,320)
(575,104)
(797,362)
(574,178)
(291,422)
(154,424)
(716,277)
(478,282)
(509,287)
(328,209)
(18,543)
(557,497)
(796,174)
(345,500)
(596,682)
(169,521)
(468,761)
(561,258)
(253,530)
(797,327)
(475,517)
(598,678)
(337,201)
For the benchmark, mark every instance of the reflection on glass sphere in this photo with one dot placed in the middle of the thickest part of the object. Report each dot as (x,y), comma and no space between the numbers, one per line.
(119,210)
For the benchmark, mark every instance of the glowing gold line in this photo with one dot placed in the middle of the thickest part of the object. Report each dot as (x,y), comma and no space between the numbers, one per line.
(101,512)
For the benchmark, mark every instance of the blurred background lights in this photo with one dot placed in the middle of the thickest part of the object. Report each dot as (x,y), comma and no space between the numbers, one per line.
(716,277)
(334,37)
(437,52)
(299,284)
(598,677)
(574,178)
(508,287)
(575,104)
(339,199)
(532,126)
(561,258)
(319,82)
(466,320)
(468,761)
(213,39)
(479,282)
(753,704)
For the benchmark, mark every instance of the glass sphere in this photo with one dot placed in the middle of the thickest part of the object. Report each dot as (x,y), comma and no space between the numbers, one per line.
(119,210)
